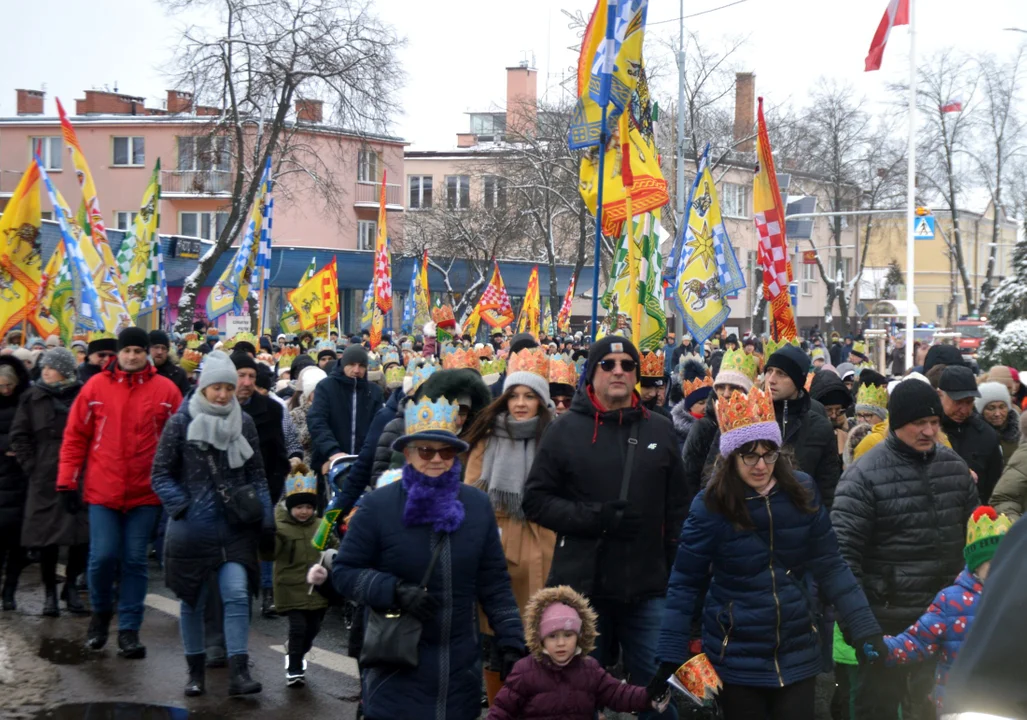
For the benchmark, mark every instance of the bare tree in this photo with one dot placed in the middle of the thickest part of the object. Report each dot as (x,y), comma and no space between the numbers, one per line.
(252,64)
(1004,124)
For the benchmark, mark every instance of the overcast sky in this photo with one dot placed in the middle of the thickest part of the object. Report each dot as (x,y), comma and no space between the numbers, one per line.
(457,49)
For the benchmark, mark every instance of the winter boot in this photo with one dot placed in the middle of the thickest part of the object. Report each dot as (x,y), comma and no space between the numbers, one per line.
(216,657)
(195,686)
(129,646)
(240,682)
(73,600)
(99,629)
(267,603)
(295,670)
(8,596)
(50,608)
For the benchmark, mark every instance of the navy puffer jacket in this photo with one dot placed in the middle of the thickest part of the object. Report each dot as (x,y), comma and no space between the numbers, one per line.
(758,628)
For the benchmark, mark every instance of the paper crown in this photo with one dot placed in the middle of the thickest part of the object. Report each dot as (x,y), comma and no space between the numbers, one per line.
(746,418)
(241,337)
(374,362)
(485,352)
(286,356)
(101,335)
(443,316)
(872,396)
(772,346)
(428,416)
(983,533)
(266,358)
(563,370)
(690,386)
(533,360)
(297,484)
(809,380)
(652,364)
(493,367)
(458,358)
(394,376)
(700,680)
(859,347)
(738,361)
(420,373)
(191,360)
(390,358)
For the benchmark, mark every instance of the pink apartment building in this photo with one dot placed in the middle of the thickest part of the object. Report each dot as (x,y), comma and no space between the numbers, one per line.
(122,140)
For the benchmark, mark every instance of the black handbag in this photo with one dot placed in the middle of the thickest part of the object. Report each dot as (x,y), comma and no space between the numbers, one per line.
(391,637)
(241,503)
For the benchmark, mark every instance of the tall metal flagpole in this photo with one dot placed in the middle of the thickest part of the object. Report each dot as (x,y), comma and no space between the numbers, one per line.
(679,321)
(911,189)
(599,225)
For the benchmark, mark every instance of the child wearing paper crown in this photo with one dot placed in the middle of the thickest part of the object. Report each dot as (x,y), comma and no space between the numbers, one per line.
(944,627)
(559,678)
(296,522)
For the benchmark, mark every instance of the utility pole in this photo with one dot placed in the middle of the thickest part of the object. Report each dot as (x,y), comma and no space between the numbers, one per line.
(679,152)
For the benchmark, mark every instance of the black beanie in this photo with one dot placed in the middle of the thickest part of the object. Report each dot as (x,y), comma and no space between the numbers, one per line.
(354,354)
(244,346)
(520,341)
(243,361)
(264,377)
(133,337)
(793,362)
(912,400)
(942,355)
(102,345)
(302,360)
(608,345)
(159,337)
(327,352)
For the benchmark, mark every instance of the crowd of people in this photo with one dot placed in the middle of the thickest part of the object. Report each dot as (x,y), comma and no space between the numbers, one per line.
(546,527)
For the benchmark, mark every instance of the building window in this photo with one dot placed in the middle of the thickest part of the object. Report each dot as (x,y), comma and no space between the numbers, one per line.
(734,200)
(129,151)
(495,192)
(49,149)
(124,220)
(204,153)
(206,225)
(458,192)
(809,276)
(46,214)
(367,234)
(488,126)
(367,166)
(420,192)
(843,267)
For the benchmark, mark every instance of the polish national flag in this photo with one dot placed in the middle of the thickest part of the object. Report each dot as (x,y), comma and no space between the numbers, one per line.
(953,105)
(896,14)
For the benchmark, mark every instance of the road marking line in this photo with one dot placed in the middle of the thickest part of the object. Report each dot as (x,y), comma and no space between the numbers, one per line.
(164,604)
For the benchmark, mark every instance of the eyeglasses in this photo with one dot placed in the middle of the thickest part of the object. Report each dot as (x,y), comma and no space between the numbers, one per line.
(753,459)
(105,355)
(562,401)
(625,365)
(833,412)
(868,418)
(427,453)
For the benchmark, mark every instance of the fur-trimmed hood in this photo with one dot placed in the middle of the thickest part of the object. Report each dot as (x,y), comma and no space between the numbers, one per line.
(682,419)
(566,595)
(855,437)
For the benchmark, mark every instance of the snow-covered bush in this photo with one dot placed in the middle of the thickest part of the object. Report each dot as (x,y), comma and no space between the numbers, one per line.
(1010,347)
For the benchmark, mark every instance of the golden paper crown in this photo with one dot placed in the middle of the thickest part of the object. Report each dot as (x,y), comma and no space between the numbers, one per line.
(443,316)
(486,352)
(241,337)
(738,361)
(533,360)
(873,395)
(189,337)
(740,410)
(986,523)
(426,416)
(457,358)
(191,360)
(301,484)
(809,380)
(493,367)
(690,386)
(860,347)
(563,370)
(772,346)
(652,364)
(394,375)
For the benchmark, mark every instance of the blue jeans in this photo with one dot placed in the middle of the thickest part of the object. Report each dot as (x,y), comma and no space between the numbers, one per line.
(267,570)
(635,627)
(117,543)
(235,596)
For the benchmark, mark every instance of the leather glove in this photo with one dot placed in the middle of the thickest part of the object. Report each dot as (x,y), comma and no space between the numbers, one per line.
(658,687)
(316,575)
(508,659)
(624,528)
(416,601)
(71,501)
(871,650)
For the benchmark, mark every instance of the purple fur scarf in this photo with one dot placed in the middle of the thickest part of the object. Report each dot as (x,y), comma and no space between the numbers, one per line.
(433,500)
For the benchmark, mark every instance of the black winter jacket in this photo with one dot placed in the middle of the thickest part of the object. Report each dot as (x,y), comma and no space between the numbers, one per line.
(807,431)
(267,416)
(579,467)
(363,472)
(900,516)
(86,371)
(176,375)
(980,447)
(13,483)
(340,415)
(701,449)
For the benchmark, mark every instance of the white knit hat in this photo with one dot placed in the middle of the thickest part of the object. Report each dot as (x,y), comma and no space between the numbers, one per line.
(992,392)
(311,377)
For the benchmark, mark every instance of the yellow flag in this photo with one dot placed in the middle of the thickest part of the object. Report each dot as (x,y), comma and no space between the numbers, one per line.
(529,319)
(317,300)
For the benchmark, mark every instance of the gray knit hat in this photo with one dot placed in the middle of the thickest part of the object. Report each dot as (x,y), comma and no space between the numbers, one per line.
(61,360)
(538,384)
(217,368)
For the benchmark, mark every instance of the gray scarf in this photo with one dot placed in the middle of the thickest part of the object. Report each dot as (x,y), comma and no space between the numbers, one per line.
(220,426)
(509,453)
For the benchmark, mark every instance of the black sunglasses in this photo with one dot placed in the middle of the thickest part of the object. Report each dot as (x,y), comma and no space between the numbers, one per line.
(427,453)
(562,401)
(625,365)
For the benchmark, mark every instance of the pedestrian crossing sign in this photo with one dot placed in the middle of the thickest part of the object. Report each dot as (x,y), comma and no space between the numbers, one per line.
(923,228)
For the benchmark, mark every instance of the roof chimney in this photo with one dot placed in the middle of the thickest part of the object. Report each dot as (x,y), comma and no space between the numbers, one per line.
(308,111)
(521,99)
(30,102)
(745,111)
(179,101)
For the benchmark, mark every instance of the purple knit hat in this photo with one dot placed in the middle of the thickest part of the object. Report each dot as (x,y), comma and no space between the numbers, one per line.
(734,439)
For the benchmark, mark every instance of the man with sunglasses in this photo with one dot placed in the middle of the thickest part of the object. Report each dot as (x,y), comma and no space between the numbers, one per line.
(98,353)
(617,523)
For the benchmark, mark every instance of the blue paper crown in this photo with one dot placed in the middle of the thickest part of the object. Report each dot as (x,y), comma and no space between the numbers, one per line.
(301,484)
(390,357)
(428,416)
(422,373)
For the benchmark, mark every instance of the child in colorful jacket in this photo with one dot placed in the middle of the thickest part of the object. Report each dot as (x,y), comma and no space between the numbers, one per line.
(942,629)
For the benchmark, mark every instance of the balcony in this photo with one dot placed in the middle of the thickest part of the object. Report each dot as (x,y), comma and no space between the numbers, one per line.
(9,180)
(366,195)
(196,183)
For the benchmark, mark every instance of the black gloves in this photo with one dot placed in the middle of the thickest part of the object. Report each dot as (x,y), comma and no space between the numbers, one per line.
(871,649)
(416,601)
(658,687)
(509,658)
(71,501)
(619,520)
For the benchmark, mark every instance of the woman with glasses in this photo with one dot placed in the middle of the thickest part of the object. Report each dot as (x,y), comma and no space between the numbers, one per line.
(503,440)
(388,549)
(755,539)
(996,407)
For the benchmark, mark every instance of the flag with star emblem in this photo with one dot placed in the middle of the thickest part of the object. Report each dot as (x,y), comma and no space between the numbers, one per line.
(139,257)
(707,271)
(381,311)
(316,301)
